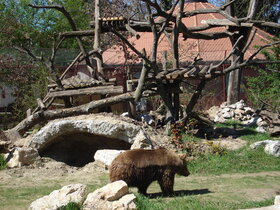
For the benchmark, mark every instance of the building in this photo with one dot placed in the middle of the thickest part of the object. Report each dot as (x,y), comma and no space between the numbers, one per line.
(209,50)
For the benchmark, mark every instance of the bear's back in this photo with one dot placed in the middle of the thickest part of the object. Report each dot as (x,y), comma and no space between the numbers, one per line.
(142,158)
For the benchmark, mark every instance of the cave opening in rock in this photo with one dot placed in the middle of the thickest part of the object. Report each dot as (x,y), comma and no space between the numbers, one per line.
(78,149)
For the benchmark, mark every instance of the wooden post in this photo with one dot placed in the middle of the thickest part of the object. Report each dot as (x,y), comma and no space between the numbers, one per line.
(164,60)
(176,101)
(131,104)
(28,113)
(97,39)
(233,91)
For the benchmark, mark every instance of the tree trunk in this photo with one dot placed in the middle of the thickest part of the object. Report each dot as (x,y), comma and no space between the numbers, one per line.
(195,97)
(43,116)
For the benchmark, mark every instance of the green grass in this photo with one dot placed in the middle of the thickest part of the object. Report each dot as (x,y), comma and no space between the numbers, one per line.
(194,203)
(230,124)
(3,163)
(244,160)
(24,195)
(246,133)
(71,206)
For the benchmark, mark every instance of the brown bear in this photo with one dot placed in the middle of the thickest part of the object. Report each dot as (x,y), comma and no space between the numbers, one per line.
(140,167)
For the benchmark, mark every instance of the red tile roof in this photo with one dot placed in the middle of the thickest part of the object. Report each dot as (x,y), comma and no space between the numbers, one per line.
(208,50)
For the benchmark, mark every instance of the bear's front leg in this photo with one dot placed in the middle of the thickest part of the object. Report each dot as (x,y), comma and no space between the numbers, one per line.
(143,188)
(166,182)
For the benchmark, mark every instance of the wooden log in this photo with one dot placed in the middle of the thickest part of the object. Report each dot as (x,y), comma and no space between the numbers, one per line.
(142,79)
(77,33)
(101,90)
(41,104)
(43,116)
(173,75)
(224,22)
(131,104)
(28,112)
(162,74)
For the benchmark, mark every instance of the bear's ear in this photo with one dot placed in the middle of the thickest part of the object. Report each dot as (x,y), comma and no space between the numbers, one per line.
(182,156)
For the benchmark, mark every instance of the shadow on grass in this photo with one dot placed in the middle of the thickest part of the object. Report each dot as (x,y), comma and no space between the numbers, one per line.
(246,131)
(180,193)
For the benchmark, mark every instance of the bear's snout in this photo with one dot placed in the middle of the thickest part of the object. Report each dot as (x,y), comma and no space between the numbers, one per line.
(184,172)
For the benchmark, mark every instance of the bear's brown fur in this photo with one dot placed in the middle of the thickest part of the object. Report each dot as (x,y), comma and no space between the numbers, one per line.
(139,168)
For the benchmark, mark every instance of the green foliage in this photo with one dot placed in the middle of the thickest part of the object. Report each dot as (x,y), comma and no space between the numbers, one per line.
(14,197)
(3,163)
(71,206)
(229,124)
(28,91)
(265,87)
(31,27)
(244,160)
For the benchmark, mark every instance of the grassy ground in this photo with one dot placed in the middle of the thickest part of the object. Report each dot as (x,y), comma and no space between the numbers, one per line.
(244,178)
(194,203)
(244,160)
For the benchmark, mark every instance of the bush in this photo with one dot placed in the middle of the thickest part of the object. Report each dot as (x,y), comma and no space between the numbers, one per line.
(264,89)
(71,206)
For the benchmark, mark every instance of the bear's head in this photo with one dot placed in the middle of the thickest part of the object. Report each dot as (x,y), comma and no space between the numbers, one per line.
(183,169)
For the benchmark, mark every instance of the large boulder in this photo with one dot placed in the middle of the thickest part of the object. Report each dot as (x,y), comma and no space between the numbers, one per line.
(270,147)
(111,196)
(21,156)
(59,198)
(106,156)
(110,126)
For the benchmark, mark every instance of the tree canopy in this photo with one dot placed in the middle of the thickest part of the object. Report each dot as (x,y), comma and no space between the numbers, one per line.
(36,28)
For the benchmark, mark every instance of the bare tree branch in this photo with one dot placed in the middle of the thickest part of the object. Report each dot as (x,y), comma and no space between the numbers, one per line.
(73,26)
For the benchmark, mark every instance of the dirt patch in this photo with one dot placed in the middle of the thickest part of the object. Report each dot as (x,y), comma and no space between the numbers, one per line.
(230,143)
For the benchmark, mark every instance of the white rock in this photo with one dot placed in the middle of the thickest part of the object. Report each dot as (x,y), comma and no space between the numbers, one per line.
(125,202)
(219,119)
(260,144)
(232,106)
(58,198)
(248,110)
(224,104)
(228,115)
(270,147)
(212,112)
(277,200)
(239,111)
(111,196)
(239,105)
(273,149)
(226,109)
(21,156)
(107,126)
(261,122)
(125,114)
(143,141)
(147,119)
(250,122)
(106,156)
(261,129)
